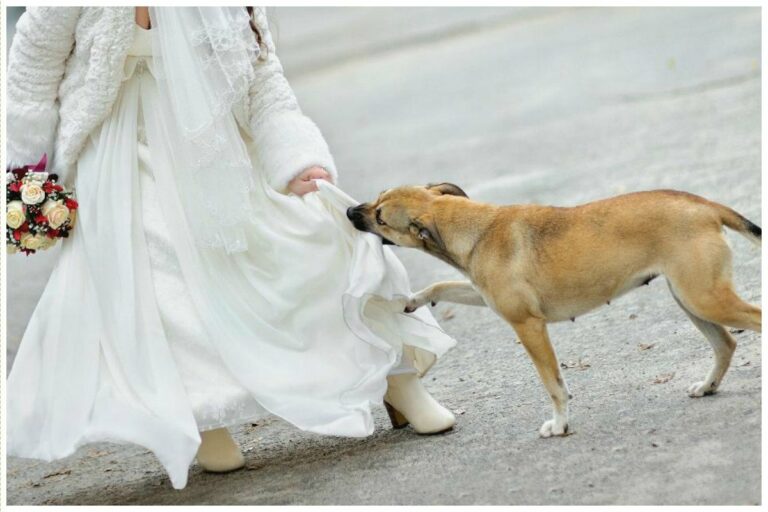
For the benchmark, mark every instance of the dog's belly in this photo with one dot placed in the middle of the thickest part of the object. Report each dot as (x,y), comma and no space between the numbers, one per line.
(561,311)
(567,302)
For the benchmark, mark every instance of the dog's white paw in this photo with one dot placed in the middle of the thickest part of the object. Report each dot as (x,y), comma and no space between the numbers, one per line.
(699,389)
(416,301)
(553,428)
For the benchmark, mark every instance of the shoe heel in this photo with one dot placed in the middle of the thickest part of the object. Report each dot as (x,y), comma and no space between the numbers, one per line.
(396,417)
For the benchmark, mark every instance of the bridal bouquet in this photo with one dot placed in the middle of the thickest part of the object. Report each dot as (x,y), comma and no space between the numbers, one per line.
(38,210)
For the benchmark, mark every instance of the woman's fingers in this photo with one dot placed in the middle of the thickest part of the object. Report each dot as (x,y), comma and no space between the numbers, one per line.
(304,187)
(305,182)
(316,173)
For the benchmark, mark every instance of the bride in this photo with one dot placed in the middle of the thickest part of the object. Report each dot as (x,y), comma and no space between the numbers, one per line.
(212,277)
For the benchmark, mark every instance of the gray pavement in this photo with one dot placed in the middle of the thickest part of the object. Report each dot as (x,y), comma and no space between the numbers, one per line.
(552,106)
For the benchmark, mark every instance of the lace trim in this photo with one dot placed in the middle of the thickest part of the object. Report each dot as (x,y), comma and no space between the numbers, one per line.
(225,41)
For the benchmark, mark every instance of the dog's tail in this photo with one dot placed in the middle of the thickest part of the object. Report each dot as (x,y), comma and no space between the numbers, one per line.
(740,224)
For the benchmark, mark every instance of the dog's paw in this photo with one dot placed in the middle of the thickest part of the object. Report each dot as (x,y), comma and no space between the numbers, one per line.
(699,389)
(416,301)
(553,428)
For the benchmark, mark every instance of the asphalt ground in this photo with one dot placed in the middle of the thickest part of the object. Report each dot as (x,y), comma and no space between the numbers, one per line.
(549,106)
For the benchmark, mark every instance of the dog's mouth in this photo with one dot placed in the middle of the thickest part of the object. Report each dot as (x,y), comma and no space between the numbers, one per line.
(357,217)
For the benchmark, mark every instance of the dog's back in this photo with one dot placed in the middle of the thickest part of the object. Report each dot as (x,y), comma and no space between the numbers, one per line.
(574,259)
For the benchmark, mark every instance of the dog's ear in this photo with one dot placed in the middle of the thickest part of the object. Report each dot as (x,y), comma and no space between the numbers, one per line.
(447,188)
(425,230)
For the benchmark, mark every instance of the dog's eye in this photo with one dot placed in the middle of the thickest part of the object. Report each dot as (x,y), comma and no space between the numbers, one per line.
(378,218)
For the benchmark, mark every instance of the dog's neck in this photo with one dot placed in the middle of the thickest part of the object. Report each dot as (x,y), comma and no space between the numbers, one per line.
(460,228)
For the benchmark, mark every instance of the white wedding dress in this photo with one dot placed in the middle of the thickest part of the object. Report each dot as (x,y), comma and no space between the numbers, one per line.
(140,336)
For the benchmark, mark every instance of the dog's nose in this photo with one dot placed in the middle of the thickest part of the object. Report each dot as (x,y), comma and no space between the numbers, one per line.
(357,217)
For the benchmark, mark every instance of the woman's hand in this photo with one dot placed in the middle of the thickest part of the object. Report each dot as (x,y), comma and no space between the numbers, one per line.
(303,183)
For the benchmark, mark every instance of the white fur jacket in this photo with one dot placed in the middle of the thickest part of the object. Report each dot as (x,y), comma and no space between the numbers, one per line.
(64,72)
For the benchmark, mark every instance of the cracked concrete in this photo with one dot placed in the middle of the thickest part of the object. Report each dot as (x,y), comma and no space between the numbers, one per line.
(547,109)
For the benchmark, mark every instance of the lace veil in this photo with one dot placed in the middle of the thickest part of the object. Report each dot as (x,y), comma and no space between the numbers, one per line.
(204,67)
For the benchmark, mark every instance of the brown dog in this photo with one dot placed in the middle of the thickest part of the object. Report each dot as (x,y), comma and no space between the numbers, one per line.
(536,264)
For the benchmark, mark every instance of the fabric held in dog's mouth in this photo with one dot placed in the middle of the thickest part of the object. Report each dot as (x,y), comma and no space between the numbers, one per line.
(384,290)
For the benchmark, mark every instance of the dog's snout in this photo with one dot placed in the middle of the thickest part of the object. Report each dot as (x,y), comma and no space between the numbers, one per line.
(357,217)
(356,212)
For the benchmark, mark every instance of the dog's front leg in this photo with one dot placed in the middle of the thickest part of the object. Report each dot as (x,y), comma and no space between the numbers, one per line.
(534,337)
(459,292)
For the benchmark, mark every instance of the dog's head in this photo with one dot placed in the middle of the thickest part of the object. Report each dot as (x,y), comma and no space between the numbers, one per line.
(403,216)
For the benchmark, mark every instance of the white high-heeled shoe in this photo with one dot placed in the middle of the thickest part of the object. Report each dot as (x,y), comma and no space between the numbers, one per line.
(408,402)
(218,452)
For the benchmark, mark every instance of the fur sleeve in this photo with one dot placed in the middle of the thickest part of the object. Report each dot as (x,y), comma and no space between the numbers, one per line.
(43,41)
(287,141)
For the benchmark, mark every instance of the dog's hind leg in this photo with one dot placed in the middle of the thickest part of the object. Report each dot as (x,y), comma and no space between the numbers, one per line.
(459,292)
(723,345)
(535,339)
(720,305)
(703,285)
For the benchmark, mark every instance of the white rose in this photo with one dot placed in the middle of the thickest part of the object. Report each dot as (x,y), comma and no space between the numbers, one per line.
(14,214)
(48,242)
(11,249)
(56,212)
(32,193)
(32,242)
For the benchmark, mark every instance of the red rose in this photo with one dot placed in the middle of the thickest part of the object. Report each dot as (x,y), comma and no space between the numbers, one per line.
(70,203)
(15,186)
(52,233)
(50,186)
(41,219)
(17,234)
(24,227)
